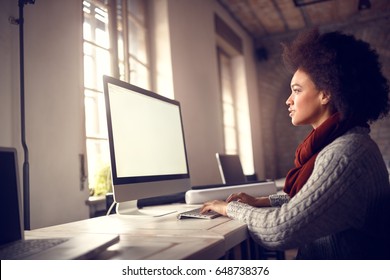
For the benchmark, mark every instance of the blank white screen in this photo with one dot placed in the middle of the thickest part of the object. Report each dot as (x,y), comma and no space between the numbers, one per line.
(147,135)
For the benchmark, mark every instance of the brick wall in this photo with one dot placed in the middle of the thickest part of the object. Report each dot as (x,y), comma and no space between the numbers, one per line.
(280,137)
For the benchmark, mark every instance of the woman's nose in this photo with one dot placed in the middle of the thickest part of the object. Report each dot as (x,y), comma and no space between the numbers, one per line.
(289,100)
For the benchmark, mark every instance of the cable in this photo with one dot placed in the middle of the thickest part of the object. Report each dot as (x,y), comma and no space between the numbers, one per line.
(110,209)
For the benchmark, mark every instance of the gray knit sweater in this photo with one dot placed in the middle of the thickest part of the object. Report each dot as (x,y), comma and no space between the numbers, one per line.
(342,212)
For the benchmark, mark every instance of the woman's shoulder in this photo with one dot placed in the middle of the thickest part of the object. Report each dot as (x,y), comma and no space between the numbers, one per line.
(355,140)
(353,145)
(355,156)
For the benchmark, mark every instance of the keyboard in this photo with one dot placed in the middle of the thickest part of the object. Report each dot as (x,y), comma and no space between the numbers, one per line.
(195,213)
(22,249)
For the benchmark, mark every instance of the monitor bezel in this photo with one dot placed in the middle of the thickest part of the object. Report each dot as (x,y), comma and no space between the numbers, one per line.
(137,187)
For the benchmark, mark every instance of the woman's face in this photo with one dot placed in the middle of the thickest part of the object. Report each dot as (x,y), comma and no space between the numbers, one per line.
(306,104)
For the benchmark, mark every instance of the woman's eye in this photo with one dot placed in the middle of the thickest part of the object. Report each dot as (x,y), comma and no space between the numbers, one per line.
(296,90)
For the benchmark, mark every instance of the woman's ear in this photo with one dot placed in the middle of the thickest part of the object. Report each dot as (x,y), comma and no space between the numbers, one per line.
(325,97)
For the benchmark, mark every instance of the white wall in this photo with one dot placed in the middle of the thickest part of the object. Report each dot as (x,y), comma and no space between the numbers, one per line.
(196,84)
(9,124)
(54,106)
(254,100)
(195,73)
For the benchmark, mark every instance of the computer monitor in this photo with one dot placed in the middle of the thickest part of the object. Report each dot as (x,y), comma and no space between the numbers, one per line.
(230,169)
(146,140)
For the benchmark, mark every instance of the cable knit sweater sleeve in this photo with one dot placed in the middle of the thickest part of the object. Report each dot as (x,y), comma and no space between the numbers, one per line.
(347,175)
(278,199)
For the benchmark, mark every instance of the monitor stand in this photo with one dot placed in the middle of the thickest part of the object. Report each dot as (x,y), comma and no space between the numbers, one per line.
(129,208)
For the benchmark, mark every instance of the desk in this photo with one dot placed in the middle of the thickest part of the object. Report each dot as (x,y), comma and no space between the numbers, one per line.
(157,237)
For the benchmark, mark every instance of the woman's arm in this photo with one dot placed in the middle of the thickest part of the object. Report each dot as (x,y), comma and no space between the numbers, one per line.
(277,200)
(273,200)
(332,200)
(250,200)
(220,206)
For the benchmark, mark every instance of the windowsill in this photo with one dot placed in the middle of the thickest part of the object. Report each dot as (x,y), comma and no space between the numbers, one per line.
(93,200)
(97,205)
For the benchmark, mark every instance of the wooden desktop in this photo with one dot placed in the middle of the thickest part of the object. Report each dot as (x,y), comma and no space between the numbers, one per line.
(159,238)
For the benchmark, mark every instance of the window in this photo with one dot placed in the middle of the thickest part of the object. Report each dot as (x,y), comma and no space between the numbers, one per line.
(228,104)
(132,33)
(234,95)
(115,43)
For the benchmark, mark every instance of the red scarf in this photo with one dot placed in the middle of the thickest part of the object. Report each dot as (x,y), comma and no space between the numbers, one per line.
(308,150)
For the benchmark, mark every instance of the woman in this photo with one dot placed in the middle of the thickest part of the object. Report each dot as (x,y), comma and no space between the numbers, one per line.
(336,199)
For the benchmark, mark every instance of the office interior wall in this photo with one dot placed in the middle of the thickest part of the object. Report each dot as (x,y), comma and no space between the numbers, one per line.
(196,81)
(55,112)
(195,84)
(9,76)
(249,63)
(280,137)
(54,106)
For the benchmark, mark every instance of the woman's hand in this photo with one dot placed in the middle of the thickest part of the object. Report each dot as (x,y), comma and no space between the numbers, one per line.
(250,200)
(218,206)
